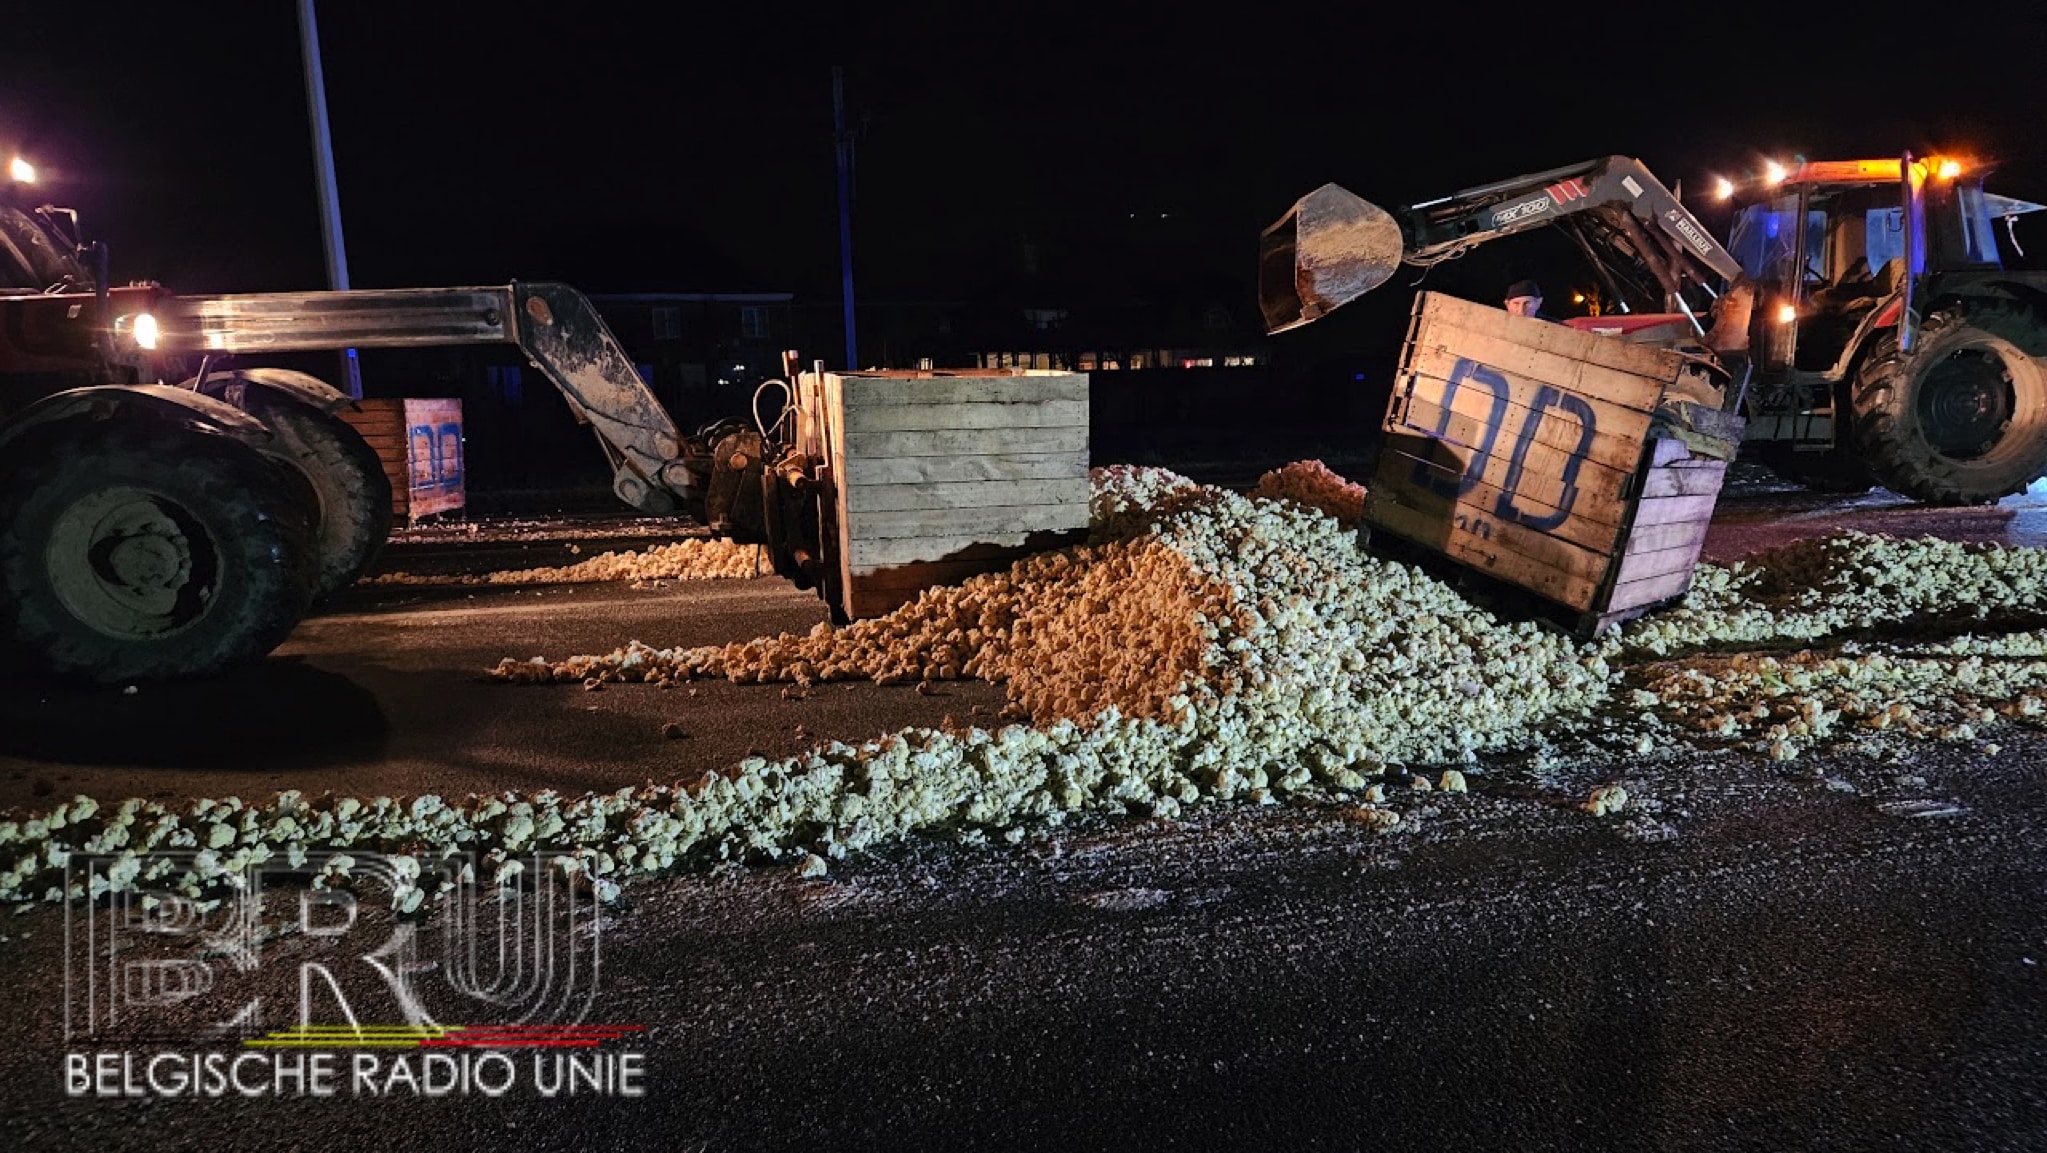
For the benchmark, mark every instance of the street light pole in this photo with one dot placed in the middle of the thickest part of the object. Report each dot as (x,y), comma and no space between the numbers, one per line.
(845,151)
(323,164)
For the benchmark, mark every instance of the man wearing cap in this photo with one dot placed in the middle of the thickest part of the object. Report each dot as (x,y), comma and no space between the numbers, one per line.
(1524,298)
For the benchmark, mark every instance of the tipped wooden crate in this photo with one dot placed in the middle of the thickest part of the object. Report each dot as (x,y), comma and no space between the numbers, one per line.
(938,476)
(419,441)
(1559,461)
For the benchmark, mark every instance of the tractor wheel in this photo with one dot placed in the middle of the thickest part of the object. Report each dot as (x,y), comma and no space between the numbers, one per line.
(353,494)
(1962,418)
(149,552)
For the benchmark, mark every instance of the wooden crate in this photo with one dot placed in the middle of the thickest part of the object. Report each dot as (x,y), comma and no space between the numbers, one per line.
(937,476)
(419,440)
(1547,458)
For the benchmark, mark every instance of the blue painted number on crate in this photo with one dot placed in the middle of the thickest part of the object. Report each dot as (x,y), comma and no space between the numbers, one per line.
(1471,373)
(1588,426)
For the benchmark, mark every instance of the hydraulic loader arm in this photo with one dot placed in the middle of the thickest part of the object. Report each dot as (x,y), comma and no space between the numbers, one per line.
(555,325)
(1332,246)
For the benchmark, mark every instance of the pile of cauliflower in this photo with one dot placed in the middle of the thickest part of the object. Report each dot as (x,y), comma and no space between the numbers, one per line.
(697,558)
(1202,646)
(1312,484)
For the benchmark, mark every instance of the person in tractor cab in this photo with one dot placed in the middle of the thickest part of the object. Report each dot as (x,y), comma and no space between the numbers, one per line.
(1524,298)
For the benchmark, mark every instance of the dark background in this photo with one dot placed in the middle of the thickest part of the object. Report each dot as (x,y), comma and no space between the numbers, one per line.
(1045,155)
(688,147)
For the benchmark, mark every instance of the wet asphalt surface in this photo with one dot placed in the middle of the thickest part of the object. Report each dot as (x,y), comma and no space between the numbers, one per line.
(1841,953)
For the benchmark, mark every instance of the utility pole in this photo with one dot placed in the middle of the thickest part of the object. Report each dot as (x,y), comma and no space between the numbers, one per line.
(323,164)
(844,142)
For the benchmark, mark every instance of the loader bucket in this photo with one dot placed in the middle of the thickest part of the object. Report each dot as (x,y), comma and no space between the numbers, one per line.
(1330,249)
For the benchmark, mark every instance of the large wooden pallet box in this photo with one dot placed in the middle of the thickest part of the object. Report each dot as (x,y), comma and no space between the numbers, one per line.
(419,441)
(1577,466)
(935,476)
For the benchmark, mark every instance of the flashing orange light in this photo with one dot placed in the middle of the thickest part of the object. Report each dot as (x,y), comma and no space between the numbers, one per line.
(1947,168)
(1786,313)
(1848,171)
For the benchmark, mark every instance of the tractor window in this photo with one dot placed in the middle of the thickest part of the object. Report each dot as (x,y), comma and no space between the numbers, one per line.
(1885,236)
(1763,236)
(1979,233)
(1758,238)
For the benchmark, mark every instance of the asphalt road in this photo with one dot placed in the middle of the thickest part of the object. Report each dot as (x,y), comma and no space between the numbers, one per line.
(1836,954)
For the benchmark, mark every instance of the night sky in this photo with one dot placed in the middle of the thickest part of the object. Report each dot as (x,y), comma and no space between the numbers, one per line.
(1075,152)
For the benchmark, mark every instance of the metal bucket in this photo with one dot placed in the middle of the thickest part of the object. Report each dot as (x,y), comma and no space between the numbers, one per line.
(1330,249)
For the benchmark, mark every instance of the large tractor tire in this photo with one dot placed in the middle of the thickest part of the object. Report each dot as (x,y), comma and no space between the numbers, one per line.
(149,552)
(1962,418)
(352,493)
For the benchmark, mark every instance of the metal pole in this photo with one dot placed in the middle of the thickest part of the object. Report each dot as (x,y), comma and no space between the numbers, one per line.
(845,150)
(323,164)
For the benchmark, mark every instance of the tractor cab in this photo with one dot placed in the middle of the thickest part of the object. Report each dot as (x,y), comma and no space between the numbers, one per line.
(1835,247)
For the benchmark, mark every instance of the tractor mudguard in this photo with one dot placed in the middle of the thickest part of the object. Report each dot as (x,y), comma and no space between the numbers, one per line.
(300,386)
(160,402)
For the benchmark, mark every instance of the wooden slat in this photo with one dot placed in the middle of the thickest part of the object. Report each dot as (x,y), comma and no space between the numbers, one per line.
(376,408)
(1418,406)
(1624,424)
(963,522)
(1554,339)
(958,442)
(1555,568)
(1593,523)
(1665,451)
(861,601)
(921,417)
(1672,509)
(374,422)
(1649,590)
(1700,479)
(866,554)
(1046,494)
(432,409)
(1656,537)
(923,574)
(1000,466)
(1441,347)
(830,391)
(996,388)
(1639,565)
(1600,488)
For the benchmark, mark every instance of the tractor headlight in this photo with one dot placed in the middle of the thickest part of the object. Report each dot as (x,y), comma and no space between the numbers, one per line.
(21,171)
(1787,314)
(140,328)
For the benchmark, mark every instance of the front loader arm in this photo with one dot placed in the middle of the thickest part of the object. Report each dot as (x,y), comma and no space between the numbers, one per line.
(1616,188)
(1333,247)
(555,325)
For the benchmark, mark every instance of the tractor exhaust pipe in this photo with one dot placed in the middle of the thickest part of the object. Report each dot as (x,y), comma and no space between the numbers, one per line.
(1329,249)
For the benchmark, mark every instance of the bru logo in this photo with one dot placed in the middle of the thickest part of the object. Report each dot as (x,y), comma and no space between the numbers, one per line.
(151,964)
